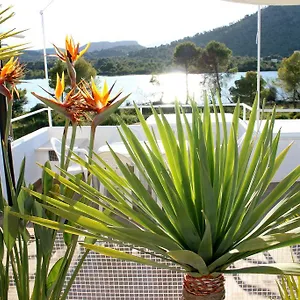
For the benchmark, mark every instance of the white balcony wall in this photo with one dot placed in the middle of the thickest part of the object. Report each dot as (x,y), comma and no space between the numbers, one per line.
(289,134)
(25,147)
(29,146)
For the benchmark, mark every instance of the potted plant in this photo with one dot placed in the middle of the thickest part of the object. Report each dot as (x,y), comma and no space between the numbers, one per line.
(212,188)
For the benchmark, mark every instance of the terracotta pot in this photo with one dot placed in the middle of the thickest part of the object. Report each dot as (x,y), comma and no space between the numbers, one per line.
(206,287)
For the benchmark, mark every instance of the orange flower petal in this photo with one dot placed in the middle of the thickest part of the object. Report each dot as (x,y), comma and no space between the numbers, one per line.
(60,86)
(96,93)
(84,50)
(105,94)
(7,67)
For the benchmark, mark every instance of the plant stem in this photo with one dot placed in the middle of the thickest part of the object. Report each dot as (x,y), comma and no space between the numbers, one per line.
(92,140)
(5,280)
(64,269)
(74,275)
(20,266)
(15,272)
(71,147)
(44,275)
(63,145)
(63,151)
(37,282)
(8,121)
(91,148)
(25,268)
(8,177)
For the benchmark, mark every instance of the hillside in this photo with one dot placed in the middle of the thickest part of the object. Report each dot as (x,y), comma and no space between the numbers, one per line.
(102,49)
(280,35)
(97,46)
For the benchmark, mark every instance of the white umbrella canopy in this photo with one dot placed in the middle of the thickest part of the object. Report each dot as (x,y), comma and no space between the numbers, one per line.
(259,3)
(267,2)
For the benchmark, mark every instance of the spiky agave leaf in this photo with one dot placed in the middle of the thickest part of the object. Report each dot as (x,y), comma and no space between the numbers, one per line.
(211,188)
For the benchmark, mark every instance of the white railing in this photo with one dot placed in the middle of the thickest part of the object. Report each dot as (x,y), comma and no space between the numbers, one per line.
(282,110)
(245,107)
(141,107)
(31,114)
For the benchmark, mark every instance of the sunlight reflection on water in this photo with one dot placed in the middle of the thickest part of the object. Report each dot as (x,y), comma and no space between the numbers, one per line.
(167,87)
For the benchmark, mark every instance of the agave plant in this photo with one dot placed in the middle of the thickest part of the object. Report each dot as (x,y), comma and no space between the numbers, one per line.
(213,208)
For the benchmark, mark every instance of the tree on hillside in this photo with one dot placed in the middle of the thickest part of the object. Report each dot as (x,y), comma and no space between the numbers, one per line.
(245,89)
(289,76)
(19,103)
(213,61)
(185,55)
(84,70)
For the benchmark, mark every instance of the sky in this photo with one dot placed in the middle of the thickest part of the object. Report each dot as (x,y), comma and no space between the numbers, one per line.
(151,23)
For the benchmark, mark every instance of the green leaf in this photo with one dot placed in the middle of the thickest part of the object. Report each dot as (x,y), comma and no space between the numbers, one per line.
(47,180)
(147,131)
(101,117)
(10,228)
(44,234)
(53,104)
(150,237)
(191,259)
(88,240)
(2,200)
(25,202)
(206,247)
(55,225)
(267,241)
(278,191)
(21,177)
(54,274)
(270,269)
(125,256)
(1,246)
(25,234)
(67,236)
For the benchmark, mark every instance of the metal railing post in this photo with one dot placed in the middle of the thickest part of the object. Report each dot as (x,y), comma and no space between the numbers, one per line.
(244,113)
(49,117)
(258,116)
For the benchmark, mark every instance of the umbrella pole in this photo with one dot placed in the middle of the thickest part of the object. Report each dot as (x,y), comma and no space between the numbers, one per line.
(258,64)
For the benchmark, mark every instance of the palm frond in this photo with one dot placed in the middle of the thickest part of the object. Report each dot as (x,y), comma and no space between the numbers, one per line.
(7,52)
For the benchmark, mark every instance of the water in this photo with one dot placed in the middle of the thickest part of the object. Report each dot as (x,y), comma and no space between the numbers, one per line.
(34,85)
(167,88)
